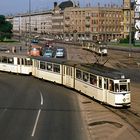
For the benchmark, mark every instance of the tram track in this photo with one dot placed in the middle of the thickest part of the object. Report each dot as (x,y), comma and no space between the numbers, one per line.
(129,116)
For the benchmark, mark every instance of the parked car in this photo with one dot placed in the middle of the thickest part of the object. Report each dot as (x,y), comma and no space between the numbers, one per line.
(34,41)
(35,51)
(48,53)
(59,52)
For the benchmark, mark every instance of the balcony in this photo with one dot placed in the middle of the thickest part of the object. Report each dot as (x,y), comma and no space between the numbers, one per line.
(67,25)
(87,24)
(87,16)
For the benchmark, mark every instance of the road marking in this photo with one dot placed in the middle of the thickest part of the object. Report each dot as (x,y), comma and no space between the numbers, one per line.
(38,114)
(37,118)
(41,98)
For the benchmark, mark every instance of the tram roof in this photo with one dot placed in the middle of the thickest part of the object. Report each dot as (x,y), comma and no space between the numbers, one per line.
(52,60)
(57,60)
(99,69)
(93,68)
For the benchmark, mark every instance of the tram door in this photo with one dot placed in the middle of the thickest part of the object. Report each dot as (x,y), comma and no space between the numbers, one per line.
(19,68)
(34,69)
(68,76)
(105,90)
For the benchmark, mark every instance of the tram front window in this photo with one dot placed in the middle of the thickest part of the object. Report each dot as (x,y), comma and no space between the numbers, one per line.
(128,86)
(116,87)
(123,87)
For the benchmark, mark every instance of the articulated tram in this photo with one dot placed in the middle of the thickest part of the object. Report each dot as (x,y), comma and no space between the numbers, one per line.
(98,48)
(104,84)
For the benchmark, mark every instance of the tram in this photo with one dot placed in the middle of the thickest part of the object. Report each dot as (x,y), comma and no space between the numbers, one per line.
(97,81)
(15,63)
(99,48)
(104,84)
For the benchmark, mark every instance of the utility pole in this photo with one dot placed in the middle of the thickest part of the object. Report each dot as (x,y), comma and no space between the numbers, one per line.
(130,33)
(29,25)
(19,28)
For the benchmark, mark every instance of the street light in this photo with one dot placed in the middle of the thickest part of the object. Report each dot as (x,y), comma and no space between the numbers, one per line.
(130,30)
(29,25)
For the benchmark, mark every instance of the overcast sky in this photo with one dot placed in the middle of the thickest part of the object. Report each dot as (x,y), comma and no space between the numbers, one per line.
(8,7)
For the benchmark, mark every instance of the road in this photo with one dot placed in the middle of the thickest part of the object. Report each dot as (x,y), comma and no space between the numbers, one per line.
(32,109)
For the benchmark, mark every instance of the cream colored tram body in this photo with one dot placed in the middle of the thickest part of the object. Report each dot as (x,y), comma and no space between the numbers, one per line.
(103,84)
(49,69)
(15,63)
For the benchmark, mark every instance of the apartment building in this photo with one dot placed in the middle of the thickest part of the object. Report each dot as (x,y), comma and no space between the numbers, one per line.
(41,23)
(58,18)
(128,17)
(69,20)
(102,23)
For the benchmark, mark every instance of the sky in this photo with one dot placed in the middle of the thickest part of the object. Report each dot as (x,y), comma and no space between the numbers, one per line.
(8,7)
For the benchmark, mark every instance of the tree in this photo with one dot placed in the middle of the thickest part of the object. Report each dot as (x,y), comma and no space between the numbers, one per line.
(5,28)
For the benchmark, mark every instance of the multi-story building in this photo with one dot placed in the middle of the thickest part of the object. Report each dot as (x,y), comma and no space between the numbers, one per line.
(102,23)
(58,17)
(128,17)
(69,20)
(41,23)
(47,22)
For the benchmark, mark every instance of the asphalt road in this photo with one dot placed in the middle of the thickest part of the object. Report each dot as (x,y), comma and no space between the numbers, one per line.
(32,109)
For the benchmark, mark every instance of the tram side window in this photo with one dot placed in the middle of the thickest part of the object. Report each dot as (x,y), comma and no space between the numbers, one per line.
(28,61)
(78,74)
(18,61)
(64,70)
(93,79)
(111,85)
(128,86)
(22,61)
(100,82)
(4,59)
(56,68)
(10,60)
(49,66)
(37,64)
(105,83)
(68,71)
(42,65)
(85,77)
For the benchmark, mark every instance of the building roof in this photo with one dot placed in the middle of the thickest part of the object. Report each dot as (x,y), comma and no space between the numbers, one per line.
(132,5)
(66,4)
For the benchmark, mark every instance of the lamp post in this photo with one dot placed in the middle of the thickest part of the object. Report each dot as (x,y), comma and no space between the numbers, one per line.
(29,25)
(130,35)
